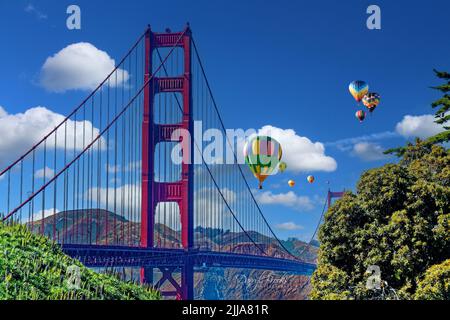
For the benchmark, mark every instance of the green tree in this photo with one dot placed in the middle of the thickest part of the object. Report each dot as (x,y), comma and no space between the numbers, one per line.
(443,105)
(398,220)
(329,283)
(436,283)
(442,115)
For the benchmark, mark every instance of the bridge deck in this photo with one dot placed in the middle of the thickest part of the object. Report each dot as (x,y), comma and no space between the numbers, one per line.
(122,256)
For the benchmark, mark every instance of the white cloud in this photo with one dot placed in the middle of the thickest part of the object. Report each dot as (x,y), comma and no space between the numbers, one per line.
(47,213)
(300,153)
(126,197)
(80,66)
(369,151)
(418,126)
(209,206)
(21,131)
(289,199)
(46,173)
(288,226)
(2,112)
(135,165)
(113,168)
(348,143)
(168,213)
(31,9)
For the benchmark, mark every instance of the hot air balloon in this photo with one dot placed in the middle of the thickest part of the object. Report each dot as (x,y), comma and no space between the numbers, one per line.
(291,183)
(371,100)
(310,179)
(262,155)
(358,89)
(361,115)
(282,166)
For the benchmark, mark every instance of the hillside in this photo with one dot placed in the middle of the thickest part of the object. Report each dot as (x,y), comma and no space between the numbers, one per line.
(34,268)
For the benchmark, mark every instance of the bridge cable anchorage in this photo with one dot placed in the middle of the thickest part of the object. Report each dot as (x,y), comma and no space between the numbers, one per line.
(51,180)
(235,156)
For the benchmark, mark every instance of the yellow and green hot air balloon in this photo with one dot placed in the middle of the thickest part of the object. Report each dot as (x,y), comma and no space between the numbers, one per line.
(262,155)
(282,166)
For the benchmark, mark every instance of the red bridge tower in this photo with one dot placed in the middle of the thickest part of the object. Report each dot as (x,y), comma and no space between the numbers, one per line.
(154,192)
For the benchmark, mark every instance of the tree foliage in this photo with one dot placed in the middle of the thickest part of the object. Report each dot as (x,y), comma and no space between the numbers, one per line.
(441,115)
(436,283)
(398,219)
(443,107)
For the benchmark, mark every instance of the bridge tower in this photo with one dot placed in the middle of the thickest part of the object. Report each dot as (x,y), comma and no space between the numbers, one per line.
(154,192)
(332,194)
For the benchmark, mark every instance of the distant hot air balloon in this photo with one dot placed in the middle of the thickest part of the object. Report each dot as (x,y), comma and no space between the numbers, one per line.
(282,166)
(358,89)
(371,100)
(361,115)
(291,183)
(262,155)
(310,179)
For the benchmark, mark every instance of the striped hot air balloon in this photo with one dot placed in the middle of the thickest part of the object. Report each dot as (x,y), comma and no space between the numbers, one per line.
(310,179)
(358,89)
(262,155)
(371,100)
(361,115)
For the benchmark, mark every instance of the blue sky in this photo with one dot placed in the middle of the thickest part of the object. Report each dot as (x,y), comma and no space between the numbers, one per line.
(286,64)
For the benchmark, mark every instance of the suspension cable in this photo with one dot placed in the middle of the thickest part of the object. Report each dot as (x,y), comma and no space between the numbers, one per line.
(45,185)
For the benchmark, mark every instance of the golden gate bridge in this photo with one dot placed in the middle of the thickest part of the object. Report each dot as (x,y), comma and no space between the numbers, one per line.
(109,194)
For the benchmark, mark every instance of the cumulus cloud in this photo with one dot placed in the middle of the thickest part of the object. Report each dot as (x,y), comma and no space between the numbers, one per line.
(300,153)
(80,66)
(46,173)
(21,131)
(288,226)
(289,199)
(2,112)
(369,151)
(418,126)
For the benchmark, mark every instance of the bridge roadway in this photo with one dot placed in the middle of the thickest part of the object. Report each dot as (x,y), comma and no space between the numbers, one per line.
(122,256)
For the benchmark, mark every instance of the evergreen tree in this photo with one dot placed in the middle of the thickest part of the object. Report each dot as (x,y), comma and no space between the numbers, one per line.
(442,115)
(443,104)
